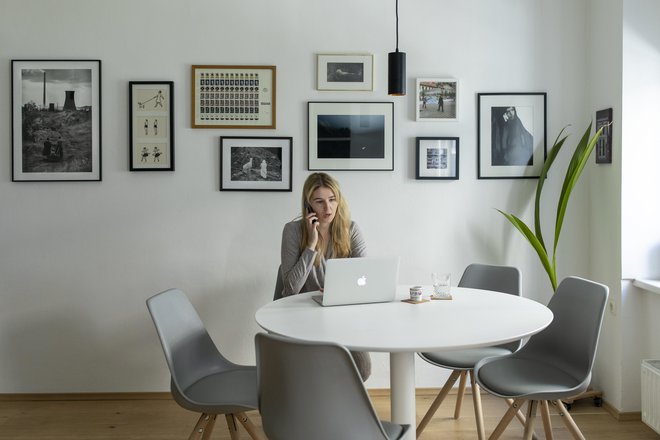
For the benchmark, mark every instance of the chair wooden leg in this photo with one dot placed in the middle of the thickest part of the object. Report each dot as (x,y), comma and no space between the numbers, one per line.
(461,393)
(478,412)
(568,420)
(233,428)
(531,418)
(547,424)
(438,400)
(203,427)
(506,419)
(249,426)
(521,418)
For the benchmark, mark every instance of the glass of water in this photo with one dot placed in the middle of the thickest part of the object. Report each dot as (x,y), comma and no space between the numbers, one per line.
(441,284)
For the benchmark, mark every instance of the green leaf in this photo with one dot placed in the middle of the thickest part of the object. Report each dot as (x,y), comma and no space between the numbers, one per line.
(536,244)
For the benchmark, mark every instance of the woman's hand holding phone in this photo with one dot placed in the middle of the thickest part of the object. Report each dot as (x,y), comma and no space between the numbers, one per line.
(312,224)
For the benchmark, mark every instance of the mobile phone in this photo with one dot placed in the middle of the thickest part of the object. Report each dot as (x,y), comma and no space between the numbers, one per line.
(309,210)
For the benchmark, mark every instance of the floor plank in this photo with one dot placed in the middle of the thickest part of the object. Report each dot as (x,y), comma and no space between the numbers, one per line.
(160,419)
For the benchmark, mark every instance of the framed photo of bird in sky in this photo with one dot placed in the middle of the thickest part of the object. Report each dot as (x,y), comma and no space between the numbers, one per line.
(151,125)
(511,135)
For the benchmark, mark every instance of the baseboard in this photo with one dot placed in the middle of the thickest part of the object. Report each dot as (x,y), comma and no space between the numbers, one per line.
(633,416)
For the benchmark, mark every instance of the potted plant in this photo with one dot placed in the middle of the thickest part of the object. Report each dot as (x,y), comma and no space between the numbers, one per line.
(573,172)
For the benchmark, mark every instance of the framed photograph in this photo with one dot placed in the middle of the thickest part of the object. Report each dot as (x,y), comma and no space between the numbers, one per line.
(437,100)
(604,142)
(233,96)
(345,72)
(255,163)
(56,120)
(436,158)
(511,135)
(151,125)
(351,136)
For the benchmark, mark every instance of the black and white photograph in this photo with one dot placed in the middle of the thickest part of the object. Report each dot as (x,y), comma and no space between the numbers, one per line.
(56,120)
(351,135)
(345,72)
(604,143)
(151,125)
(255,163)
(436,158)
(436,100)
(511,135)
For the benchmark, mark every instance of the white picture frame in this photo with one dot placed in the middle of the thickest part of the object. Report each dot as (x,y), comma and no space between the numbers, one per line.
(436,100)
(345,72)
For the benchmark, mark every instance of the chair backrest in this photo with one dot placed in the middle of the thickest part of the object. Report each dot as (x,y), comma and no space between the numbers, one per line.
(310,390)
(571,339)
(189,350)
(279,284)
(505,279)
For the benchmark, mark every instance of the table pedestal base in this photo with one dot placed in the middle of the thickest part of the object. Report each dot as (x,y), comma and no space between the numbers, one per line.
(402,385)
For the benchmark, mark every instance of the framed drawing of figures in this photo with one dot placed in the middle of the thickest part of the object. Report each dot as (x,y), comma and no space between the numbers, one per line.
(511,135)
(255,163)
(355,136)
(56,120)
(151,125)
(233,96)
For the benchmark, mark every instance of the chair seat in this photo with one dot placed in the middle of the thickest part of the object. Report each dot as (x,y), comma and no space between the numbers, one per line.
(463,359)
(526,378)
(222,393)
(394,431)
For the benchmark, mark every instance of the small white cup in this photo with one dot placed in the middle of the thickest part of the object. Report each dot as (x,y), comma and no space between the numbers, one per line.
(416,293)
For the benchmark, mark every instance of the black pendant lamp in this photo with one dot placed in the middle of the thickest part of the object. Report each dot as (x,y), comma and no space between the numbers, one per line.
(396,66)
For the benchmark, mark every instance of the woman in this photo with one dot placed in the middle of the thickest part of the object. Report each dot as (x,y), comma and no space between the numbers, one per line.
(324,231)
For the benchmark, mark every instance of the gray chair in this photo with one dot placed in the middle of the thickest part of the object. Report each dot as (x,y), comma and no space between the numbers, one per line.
(310,390)
(202,380)
(479,276)
(555,363)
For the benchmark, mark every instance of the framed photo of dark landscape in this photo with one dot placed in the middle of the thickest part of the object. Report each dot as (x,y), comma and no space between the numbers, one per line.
(56,120)
(345,72)
(436,158)
(511,135)
(353,136)
(151,125)
(255,163)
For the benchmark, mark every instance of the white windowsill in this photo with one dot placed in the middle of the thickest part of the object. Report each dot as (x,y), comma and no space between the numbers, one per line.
(648,285)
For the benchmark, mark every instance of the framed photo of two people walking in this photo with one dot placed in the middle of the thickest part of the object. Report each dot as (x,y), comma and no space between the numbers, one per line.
(511,135)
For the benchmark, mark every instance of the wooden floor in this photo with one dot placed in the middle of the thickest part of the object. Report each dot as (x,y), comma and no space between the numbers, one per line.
(162,419)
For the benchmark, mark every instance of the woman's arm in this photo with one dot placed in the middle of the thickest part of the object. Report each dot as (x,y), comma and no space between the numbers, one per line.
(358,244)
(296,266)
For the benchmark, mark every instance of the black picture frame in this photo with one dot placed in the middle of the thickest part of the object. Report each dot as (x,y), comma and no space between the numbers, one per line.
(511,135)
(350,136)
(56,120)
(256,163)
(437,158)
(604,143)
(151,125)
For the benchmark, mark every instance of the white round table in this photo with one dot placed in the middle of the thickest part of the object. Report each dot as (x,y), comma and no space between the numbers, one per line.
(473,318)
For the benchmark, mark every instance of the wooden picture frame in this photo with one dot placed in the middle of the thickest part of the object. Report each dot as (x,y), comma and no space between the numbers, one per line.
(56,120)
(255,163)
(151,125)
(511,135)
(436,158)
(351,136)
(233,96)
(436,100)
(353,72)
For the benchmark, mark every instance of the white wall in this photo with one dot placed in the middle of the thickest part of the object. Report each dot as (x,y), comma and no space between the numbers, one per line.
(78,260)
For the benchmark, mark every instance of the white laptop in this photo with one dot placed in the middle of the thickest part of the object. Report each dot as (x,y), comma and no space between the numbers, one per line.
(359,281)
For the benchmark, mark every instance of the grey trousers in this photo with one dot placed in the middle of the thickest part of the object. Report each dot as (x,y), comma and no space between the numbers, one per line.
(363,363)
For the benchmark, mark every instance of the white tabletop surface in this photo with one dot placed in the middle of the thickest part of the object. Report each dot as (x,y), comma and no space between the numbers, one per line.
(472,318)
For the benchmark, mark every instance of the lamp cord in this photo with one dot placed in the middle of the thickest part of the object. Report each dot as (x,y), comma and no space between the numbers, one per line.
(397,24)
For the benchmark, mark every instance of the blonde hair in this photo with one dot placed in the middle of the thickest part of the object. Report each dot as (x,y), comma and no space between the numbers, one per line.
(341,224)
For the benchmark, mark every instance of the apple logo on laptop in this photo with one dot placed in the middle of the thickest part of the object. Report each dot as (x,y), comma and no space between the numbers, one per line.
(362,281)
